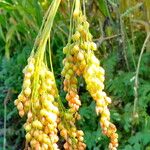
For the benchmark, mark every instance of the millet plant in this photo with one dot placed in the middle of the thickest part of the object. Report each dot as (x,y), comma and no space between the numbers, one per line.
(47,116)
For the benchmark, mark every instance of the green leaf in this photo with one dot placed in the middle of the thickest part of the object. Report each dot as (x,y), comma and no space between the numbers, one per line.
(146,138)
(128,147)
(103,8)
(3,21)
(10,33)
(6,6)
(137,146)
(91,138)
(1,33)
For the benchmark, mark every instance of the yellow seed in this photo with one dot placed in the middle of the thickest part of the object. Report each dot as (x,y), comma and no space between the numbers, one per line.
(67,65)
(16,102)
(108,100)
(37,105)
(27,127)
(67,76)
(33,143)
(46,140)
(37,124)
(63,72)
(26,83)
(51,126)
(27,104)
(55,138)
(75,49)
(55,146)
(101,70)
(51,117)
(50,97)
(101,77)
(43,112)
(63,133)
(76,36)
(40,137)
(30,67)
(106,113)
(21,97)
(86,24)
(100,102)
(60,126)
(104,94)
(27,75)
(20,106)
(21,113)
(75,14)
(73,129)
(31,60)
(27,91)
(70,72)
(64,61)
(28,137)
(110,146)
(49,82)
(73,134)
(93,46)
(68,116)
(89,71)
(99,110)
(49,74)
(44,146)
(80,56)
(83,18)
(29,115)
(36,134)
(66,50)
(80,28)
(81,138)
(42,73)
(94,60)
(66,145)
(44,86)
(85,45)
(80,133)
(104,121)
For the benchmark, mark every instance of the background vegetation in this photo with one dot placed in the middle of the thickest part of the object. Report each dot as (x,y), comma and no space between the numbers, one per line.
(119,28)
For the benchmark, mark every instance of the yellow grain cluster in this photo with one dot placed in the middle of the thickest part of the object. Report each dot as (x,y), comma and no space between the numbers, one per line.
(81,61)
(45,116)
(40,107)
(74,138)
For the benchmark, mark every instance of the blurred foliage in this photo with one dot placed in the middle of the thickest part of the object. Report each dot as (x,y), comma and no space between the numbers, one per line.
(119,28)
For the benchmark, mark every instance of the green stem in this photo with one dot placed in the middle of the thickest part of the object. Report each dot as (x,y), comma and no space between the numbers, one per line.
(137,74)
(5,114)
(71,23)
(84,11)
(39,33)
(124,42)
(51,66)
(43,37)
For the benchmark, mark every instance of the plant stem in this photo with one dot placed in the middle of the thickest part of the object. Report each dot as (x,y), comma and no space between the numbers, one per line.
(7,98)
(137,74)
(4,139)
(51,66)
(124,42)
(71,23)
(43,38)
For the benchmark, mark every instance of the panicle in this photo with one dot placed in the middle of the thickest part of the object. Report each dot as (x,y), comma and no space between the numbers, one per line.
(41,110)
